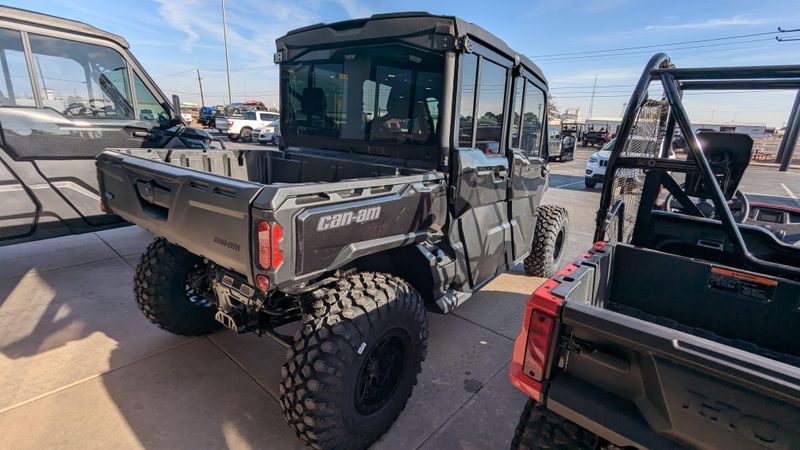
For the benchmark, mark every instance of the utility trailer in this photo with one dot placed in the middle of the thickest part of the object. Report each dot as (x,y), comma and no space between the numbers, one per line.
(680,327)
(405,177)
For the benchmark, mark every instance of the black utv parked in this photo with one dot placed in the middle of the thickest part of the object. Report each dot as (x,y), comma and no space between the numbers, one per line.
(67,92)
(410,171)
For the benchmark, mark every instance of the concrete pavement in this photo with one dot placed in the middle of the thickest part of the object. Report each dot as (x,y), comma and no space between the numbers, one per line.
(82,367)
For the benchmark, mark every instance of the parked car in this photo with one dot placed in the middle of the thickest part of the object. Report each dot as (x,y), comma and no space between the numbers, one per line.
(350,228)
(51,136)
(243,128)
(674,330)
(206,116)
(271,134)
(596,165)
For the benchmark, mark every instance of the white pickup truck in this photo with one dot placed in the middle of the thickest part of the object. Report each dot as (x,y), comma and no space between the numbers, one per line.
(242,128)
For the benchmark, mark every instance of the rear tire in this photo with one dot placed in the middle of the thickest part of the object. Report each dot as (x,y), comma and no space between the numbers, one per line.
(246,135)
(173,291)
(540,428)
(549,241)
(354,361)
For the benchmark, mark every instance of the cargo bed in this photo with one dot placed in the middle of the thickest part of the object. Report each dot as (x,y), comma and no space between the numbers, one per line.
(696,354)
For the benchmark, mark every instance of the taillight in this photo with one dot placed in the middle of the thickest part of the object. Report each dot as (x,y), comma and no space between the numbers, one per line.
(540,333)
(264,247)
(230,124)
(277,253)
(270,254)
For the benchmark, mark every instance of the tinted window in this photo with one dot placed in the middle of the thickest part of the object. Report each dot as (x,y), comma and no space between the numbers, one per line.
(533,112)
(266,117)
(491,95)
(469,71)
(82,80)
(15,85)
(249,115)
(149,107)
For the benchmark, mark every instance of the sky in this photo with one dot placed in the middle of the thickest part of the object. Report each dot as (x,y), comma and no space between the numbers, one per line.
(573,41)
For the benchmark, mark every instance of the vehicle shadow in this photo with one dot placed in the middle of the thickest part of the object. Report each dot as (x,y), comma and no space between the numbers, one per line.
(571,183)
(74,340)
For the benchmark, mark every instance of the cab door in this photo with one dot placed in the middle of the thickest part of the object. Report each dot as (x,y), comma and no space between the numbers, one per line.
(528,160)
(64,100)
(481,170)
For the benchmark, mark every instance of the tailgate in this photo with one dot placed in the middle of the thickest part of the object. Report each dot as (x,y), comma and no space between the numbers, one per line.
(207,214)
(221,123)
(698,392)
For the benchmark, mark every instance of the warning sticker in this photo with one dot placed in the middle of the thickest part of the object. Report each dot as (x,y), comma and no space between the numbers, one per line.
(743,284)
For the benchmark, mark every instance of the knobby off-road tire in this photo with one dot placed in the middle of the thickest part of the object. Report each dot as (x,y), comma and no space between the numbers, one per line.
(549,241)
(539,428)
(354,361)
(171,290)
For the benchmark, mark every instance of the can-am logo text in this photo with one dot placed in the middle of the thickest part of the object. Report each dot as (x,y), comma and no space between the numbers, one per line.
(342,219)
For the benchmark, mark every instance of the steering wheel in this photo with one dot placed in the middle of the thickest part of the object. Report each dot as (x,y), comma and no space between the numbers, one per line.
(738,204)
(81,109)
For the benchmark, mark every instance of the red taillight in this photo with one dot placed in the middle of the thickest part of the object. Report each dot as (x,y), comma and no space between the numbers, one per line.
(230,124)
(270,254)
(540,334)
(277,253)
(264,249)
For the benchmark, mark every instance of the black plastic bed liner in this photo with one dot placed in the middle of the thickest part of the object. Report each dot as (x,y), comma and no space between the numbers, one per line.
(703,333)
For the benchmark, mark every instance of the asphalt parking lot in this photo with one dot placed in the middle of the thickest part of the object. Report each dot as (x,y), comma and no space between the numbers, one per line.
(84,369)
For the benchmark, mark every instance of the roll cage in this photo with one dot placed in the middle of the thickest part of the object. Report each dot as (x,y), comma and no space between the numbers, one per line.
(639,168)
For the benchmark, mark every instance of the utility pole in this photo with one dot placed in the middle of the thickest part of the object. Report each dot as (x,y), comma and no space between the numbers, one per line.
(202,99)
(227,58)
(591,102)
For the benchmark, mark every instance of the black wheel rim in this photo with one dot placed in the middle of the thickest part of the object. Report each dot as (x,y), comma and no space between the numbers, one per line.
(559,245)
(197,287)
(381,371)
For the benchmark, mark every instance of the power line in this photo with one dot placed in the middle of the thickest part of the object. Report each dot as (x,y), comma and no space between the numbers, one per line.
(639,52)
(738,36)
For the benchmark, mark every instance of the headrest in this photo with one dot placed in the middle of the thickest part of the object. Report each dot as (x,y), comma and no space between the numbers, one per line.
(313,102)
(397,103)
(728,154)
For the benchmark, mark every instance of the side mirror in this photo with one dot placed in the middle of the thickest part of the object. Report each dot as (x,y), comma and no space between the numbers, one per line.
(176,107)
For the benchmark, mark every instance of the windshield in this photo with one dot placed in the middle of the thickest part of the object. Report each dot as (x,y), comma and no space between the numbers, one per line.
(386,96)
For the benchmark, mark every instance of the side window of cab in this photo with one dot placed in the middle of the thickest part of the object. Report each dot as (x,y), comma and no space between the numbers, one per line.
(527,127)
(81,80)
(482,102)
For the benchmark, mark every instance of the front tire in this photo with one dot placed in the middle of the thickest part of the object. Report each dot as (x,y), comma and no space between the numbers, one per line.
(590,184)
(549,241)
(540,428)
(354,361)
(172,289)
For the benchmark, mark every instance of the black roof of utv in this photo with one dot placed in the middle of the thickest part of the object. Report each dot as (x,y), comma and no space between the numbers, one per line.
(57,23)
(421,29)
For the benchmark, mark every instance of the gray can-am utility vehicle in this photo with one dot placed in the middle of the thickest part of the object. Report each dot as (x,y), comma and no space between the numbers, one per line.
(411,167)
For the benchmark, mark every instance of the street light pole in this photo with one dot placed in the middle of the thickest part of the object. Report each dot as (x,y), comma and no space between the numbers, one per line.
(227,59)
